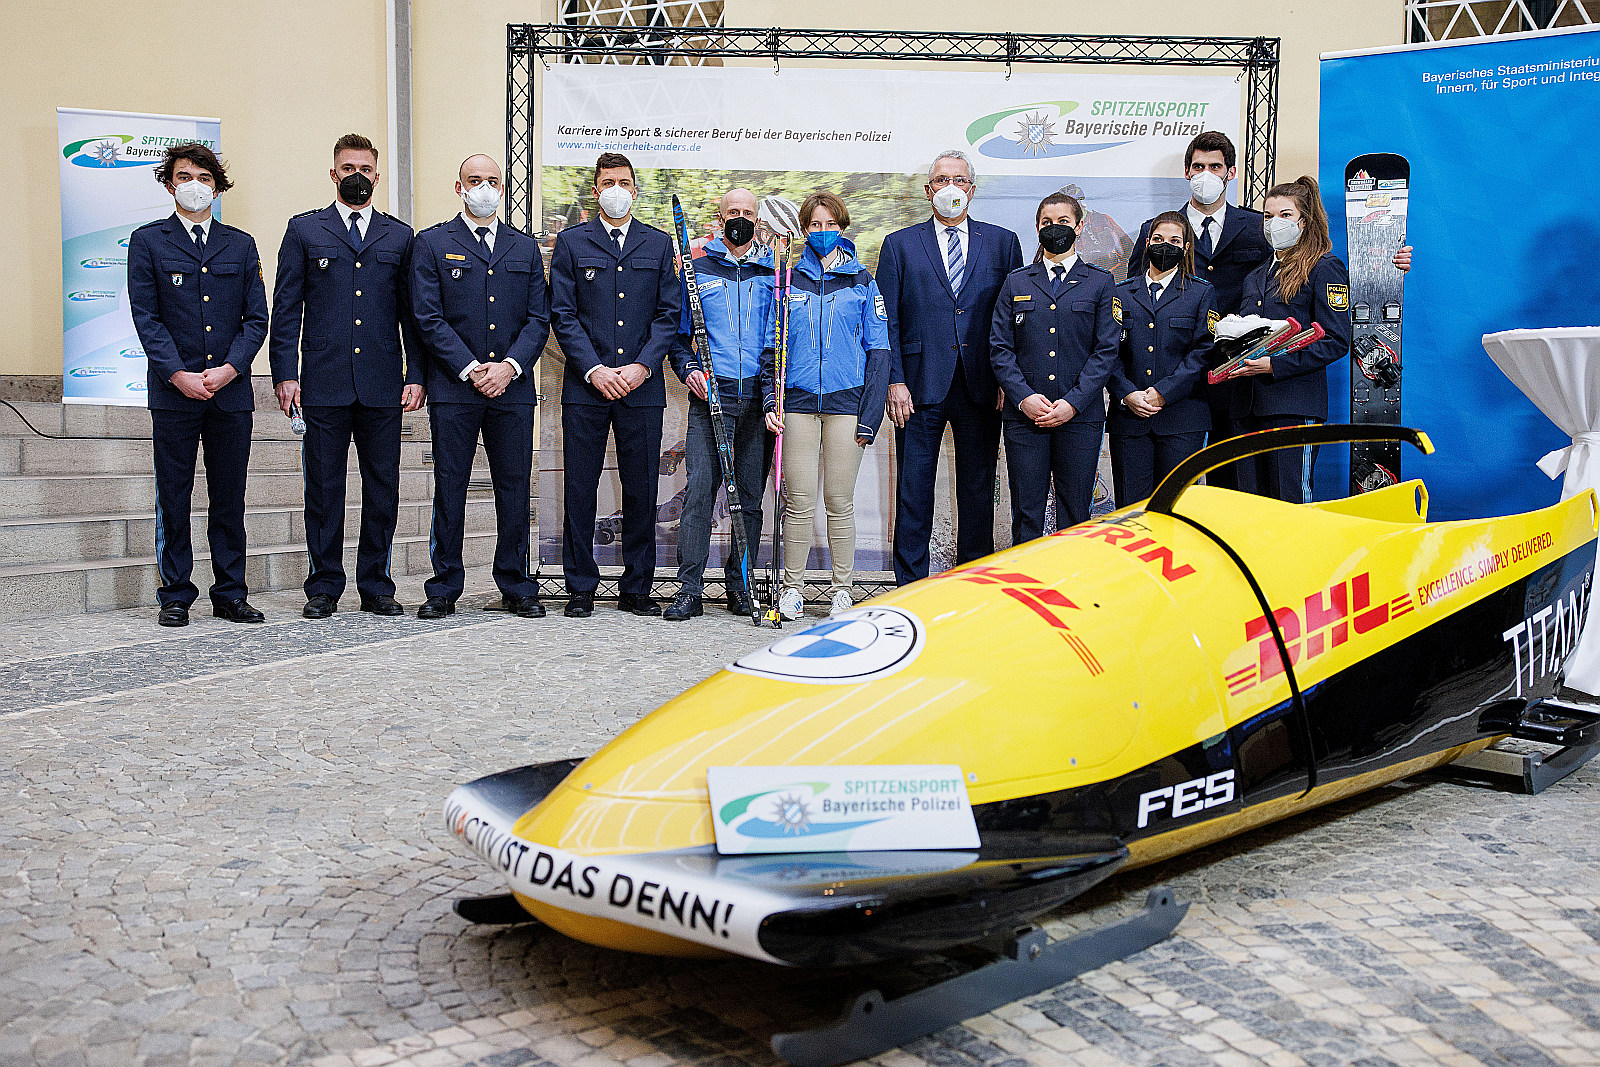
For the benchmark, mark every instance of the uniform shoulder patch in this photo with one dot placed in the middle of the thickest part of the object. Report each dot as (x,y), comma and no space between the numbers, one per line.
(1212,318)
(1339,297)
(1116,308)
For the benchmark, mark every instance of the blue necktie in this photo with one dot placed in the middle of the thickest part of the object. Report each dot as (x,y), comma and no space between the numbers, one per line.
(957,261)
(1155,293)
(1205,236)
(1057,274)
(355,228)
(199,239)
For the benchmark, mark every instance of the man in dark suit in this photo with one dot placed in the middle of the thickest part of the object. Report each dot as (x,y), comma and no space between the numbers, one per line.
(1229,244)
(614,305)
(343,276)
(478,293)
(200,308)
(939,280)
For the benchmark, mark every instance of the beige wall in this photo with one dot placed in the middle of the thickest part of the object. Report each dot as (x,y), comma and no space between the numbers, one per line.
(288,78)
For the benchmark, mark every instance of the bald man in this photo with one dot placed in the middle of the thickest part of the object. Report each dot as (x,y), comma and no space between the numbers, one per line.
(735,278)
(478,293)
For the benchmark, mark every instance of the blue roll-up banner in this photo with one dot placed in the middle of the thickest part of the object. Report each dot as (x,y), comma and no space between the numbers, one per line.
(108,189)
(1505,220)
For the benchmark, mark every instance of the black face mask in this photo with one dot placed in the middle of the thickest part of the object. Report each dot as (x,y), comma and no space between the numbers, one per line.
(1163,257)
(738,231)
(1057,238)
(355,189)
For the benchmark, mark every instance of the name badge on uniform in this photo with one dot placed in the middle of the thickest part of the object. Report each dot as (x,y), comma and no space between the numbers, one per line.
(1020,299)
(452,255)
(177,279)
(322,264)
(1116,309)
(455,272)
(588,275)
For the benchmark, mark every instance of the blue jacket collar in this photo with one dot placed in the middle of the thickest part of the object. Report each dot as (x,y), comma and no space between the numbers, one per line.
(811,266)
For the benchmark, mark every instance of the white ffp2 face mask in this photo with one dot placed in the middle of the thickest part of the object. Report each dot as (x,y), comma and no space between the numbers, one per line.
(482,200)
(1207,187)
(1282,234)
(616,202)
(950,201)
(194,195)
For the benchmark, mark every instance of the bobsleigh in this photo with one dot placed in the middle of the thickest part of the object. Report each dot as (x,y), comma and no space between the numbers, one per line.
(1135,687)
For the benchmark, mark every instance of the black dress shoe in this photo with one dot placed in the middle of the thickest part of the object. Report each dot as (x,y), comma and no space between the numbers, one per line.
(382,605)
(738,601)
(436,607)
(236,611)
(174,615)
(641,604)
(683,606)
(526,607)
(579,605)
(320,606)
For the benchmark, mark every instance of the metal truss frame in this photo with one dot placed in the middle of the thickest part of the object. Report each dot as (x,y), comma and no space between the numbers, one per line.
(1255,58)
(1447,20)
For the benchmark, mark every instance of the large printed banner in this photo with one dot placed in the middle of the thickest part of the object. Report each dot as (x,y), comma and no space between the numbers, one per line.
(1117,141)
(1504,187)
(108,190)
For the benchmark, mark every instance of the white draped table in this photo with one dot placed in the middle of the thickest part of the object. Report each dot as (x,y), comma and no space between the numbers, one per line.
(1559,370)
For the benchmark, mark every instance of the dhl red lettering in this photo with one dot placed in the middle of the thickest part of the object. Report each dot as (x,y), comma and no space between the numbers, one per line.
(1361,597)
(1054,598)
(1022,597)
(1271,662)
(1328,608)
(1111,534)
(996,576)
(1143,542)
(1169,570)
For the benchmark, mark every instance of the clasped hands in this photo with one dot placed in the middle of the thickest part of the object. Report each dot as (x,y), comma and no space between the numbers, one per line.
(615,383)
(1047,414)
(204,385)
(1144,402)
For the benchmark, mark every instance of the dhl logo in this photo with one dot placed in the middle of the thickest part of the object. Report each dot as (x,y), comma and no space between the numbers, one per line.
(1324,624)
(1037,598)
(1134,542)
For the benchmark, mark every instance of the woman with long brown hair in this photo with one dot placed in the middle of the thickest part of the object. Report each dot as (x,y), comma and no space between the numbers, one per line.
(1305,281)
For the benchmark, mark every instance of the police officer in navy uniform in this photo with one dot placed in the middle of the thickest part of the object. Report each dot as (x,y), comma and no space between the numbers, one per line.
(1304,281)
(481,306)
(1053,342)
(343,277)
(614,304)
(1159,415)
(200,308)
(1228,245)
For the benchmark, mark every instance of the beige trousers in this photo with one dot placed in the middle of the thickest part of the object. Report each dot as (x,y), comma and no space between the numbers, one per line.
(820,446)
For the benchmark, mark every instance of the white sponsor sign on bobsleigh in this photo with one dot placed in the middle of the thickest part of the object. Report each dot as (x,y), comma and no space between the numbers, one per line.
(840,809)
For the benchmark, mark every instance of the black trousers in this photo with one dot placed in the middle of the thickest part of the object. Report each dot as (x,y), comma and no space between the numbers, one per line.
(752,458)
(1285,474)
(177,437)
(507,431)
(1219,398)
(1140,461)
(329,431)
(1066,455)
(584,428)
(976,431)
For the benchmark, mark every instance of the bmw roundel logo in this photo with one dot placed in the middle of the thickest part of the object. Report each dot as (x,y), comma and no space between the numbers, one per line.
(854,646)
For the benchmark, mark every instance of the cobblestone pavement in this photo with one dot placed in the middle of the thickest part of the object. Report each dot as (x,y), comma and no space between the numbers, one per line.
(222,845)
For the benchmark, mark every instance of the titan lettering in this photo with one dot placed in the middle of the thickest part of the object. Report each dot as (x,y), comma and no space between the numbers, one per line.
(1541,643)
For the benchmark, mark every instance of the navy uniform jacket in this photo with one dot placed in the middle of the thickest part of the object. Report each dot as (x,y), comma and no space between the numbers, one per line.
(1240,249)
(192,313)
(932,331)
(1167,347)
(1298,384)
(350,349)
(610,310)
(471,304)
(1063,346)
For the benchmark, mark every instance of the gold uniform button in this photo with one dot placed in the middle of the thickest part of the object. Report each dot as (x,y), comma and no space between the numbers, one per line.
(1152,348)
(358,264)
(358,292)
(1148,373)
(491,326)
(1052,307)
(491,355)
(1152,325)
(619,351)
(208,329)
(208,359)
(206,299)
(491,272)
(1052,355)
(619,322)
(1052,329)
(491,300)
(204,270)
(358,322)
(621,296)
(619,268)
(1052,377)
(1211,268)
(358,351)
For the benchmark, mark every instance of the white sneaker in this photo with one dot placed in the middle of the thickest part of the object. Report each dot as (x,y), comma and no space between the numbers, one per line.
(791,605)
(841,602)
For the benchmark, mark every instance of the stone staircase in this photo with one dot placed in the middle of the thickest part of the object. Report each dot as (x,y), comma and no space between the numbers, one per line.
(77,516)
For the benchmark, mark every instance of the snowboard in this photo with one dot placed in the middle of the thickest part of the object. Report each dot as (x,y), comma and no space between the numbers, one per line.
(1376,188)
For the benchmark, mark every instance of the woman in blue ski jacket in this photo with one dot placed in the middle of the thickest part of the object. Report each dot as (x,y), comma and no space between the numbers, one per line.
(836,381)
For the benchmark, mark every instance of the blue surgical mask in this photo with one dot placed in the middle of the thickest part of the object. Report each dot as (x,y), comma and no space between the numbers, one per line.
(822,242)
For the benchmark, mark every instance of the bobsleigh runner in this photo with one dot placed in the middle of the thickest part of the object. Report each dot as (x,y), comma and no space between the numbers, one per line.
(1120,692)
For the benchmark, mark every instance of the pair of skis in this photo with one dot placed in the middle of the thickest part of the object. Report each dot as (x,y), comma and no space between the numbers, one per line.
(741,539)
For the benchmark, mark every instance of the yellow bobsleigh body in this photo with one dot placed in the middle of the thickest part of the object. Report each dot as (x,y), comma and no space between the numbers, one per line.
(1112,694)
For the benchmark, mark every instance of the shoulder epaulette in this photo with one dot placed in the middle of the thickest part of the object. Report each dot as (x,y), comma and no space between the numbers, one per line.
(303,214)
(147,225)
